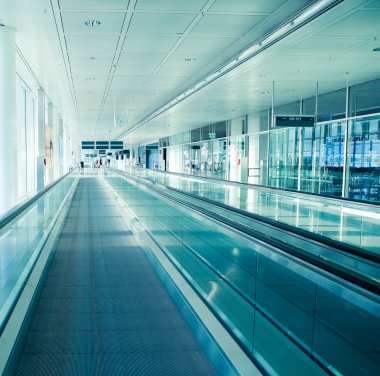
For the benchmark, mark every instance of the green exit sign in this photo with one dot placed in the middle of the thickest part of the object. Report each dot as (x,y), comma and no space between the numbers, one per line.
(211,135)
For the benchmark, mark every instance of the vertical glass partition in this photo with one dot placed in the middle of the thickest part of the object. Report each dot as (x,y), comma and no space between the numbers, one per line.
(284,158)
(364,158)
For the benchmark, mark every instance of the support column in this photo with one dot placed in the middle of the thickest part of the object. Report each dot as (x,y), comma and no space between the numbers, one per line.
(55,149)
(41,140)
(49,142)
(8,127)
(59,147)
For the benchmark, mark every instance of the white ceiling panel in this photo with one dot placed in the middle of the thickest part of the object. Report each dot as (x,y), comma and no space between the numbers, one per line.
(225,25)
(318,46)
(74,22)
(160,23)
(140,43)
(93,86)
(91,59)
(93,4)
(362,51)
(136,69)
(92,71)
(374,4)
(91,43)
(246,6)
(178,70)
(184,58)
(369,22)
(212,45)
(144,58)
(170,5)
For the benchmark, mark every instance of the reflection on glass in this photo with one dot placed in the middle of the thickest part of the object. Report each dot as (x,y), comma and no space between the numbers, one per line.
(271,303)
(364,159)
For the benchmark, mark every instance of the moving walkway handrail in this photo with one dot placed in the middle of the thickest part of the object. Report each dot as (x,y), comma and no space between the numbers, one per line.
(6,219)
(329,369)
(18,209)
(292,192)
(341,246)
(328,265)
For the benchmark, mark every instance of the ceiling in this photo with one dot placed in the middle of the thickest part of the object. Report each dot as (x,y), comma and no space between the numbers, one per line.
(146,52)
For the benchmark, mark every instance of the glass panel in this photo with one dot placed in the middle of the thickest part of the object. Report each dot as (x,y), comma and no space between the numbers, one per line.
(257,163)
(365,98)
(219,158)
(331,159)
(205,132)
(283,160)
(309,174)
(206,159)
(308,106)
(186,159)
(220,129)
(195,158)
(281,311)
(364,159)
(21,241)
(347,333)
(195,135)
(236,153)
(331,105)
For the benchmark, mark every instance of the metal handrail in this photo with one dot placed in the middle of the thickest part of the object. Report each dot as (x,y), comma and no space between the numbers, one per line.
(341,246)
(328,265)
(18,209)
(268,189)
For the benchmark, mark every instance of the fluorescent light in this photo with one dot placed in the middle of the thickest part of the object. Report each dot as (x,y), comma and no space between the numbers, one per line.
(277,34)
(249,51)
(312,11)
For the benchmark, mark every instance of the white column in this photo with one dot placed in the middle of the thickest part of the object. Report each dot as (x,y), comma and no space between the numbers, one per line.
(59,147)
(49,139)
(41,140)
(8,127)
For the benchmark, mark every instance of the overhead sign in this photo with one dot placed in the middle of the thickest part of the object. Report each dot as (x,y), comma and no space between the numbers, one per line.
(116,144)
(211,136)
(90,145)
(294,121)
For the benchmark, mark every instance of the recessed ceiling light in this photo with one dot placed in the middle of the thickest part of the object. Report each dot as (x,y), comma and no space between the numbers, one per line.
(377,49)
(92,23)
(90,78)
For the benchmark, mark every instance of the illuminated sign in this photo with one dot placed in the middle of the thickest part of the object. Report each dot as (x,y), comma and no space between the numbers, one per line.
(294,121)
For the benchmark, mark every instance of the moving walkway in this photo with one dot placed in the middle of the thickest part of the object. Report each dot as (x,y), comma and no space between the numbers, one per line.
(286,314)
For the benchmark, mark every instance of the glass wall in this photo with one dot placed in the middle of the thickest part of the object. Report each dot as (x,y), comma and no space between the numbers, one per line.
(364,158)
(284,158)
(305,159)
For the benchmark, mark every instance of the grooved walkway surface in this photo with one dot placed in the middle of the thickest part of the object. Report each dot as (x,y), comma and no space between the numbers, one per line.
(103,310)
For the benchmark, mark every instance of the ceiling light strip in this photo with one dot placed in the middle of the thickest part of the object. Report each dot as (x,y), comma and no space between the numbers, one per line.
(183,36)
(119,48)
(300,19)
